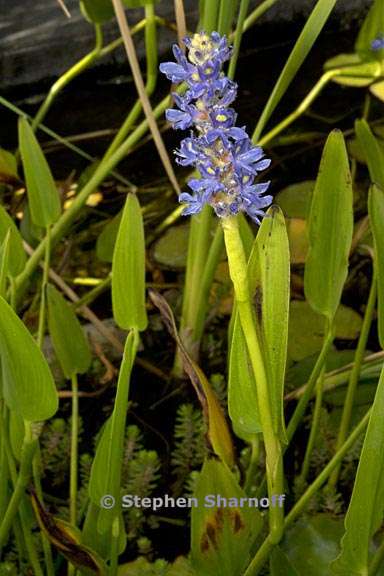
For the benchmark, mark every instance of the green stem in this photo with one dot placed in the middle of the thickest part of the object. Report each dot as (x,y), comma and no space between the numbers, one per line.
(73,475)
(355,374)
(302,404)
(24,514)
(265,549)
(68,76)
(74,452)
(27,453)
(237,39)
(36,468)
(274,459)
(253,465)
(152,66)
(114,547)
(44,283)
(304,105)
(214,254)
(314,428)
(257,13)
(210,16)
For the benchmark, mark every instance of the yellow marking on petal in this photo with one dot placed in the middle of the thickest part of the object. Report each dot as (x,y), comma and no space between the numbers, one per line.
(210,170)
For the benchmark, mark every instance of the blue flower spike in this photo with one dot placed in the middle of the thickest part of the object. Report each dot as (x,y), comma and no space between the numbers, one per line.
(222,152)
(378,43)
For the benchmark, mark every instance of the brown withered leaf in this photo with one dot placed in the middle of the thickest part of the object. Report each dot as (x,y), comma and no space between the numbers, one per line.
(66,539)
(218,431)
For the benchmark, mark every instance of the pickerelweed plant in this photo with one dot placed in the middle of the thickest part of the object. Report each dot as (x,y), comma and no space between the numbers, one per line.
(228,164)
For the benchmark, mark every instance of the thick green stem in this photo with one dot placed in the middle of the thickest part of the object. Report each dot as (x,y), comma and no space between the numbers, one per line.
(268,544)
(355,374)
(68,76)
(36,468)
(274,458)
(215,251)
(27,453)
(237,39)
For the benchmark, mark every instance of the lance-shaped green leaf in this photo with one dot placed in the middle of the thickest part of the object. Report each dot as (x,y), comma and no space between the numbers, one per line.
(128,269)
(218,432)
(99,11)
(221,536)
(106,241)
(4,263)
(106,467)
(372,28)
(43,196)
(372,151)
(330,229)
(68,338)
(365,511)
(28,386)
(376,217)
(17,262)
(268,277)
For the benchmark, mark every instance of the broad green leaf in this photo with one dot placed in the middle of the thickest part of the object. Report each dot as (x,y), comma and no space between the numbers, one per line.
(372,152)
(376,216)
(280,564)
(16,433)
(8,167)
(377,90)
(268,276)
(19,258)
(97,11)
(218,432)
(68,338)
(306,328)
(372,28)
(43,196)
(295,200)
(357,73)
(106,241)
(312,543)
(365,511)
(298,240)
(128,269)
(304,43)
(28,386)
(221,537)
(242,397)
(172,248)
(330,228)
(106,466)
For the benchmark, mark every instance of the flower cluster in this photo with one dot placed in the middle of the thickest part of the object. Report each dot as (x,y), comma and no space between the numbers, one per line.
(223,153)
(378,43)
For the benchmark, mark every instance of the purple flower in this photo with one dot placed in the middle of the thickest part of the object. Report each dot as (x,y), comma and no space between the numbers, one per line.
(378,43)
(222,152)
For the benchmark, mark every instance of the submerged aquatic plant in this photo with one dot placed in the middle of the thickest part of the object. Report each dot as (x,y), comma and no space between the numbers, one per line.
(222,152)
